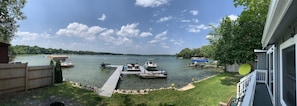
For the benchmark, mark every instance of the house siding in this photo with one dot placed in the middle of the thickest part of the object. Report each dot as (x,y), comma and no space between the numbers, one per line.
(261,63)
(284,37)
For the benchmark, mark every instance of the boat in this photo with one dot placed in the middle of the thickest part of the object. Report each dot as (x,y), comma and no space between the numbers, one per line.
(153,75)
(65,63)
(199,60)
(104,65)
(193,64)
(150,66)
(133,67)
(196,61)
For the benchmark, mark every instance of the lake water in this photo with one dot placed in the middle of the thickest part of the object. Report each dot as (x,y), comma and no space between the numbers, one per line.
(87,70)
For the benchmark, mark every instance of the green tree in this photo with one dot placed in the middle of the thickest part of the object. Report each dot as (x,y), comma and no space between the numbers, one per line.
(196,52)
(10,12)
(185,53)
(207,51)
(235,41)
(224,51)
(250,28)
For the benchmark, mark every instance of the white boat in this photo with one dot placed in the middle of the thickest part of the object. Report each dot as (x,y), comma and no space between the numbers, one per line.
(63,59)
(150,66)
(193,64)
(133,67)
(153,75)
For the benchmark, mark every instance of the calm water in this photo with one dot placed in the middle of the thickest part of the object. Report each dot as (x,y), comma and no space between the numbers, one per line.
(87,70)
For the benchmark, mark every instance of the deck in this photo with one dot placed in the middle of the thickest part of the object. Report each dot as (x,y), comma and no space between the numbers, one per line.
(112,82)
(262,97)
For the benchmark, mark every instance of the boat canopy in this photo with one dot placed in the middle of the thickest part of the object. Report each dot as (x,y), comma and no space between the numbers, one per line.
(199,60)
(57,57)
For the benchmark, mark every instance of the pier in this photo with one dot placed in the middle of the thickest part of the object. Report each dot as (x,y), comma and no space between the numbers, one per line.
(110,85)
(112,82)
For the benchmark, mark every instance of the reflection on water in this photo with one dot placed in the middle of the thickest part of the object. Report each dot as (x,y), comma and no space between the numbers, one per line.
(87,70)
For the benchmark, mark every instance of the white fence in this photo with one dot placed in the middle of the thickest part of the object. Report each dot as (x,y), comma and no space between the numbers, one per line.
(247,84)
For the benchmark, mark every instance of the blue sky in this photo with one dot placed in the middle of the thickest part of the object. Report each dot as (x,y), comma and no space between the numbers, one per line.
(121,26)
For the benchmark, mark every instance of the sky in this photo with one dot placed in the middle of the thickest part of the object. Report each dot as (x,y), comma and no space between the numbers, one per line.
(121,26)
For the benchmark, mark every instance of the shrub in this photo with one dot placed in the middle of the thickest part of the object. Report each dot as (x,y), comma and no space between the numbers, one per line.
(58,73)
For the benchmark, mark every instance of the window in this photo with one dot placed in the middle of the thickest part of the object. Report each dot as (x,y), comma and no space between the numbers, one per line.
(271,71)
(288,72)
(289,76)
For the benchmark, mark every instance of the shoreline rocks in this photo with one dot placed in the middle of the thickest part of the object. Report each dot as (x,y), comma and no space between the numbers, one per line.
(136,92)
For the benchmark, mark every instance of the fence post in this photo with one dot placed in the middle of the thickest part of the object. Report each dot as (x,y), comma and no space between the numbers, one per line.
(26,77)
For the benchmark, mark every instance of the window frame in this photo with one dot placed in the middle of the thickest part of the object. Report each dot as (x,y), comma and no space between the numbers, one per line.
(288,43)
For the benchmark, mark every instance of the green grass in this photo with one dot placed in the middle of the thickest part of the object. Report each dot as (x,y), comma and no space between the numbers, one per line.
(206,93)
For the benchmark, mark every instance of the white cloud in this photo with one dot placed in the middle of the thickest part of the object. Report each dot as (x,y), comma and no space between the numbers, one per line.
(233,17)
(146,34)
(215,24)
(151,3)
(197,28)
(159,37)
(209,37)
(177,42)
(110,37)
(195,20)
(194,12)
(80,30)
(163,19)
(129,30)
(123,40)
(185,20)
(29,36)
(102,18)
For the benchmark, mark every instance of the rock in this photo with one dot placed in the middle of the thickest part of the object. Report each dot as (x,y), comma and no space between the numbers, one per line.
(141,91)
(135,92)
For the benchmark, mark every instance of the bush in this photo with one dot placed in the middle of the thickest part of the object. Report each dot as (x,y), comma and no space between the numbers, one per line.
(58,73)
(52,63)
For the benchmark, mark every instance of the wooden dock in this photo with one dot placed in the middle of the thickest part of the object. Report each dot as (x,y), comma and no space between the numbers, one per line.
(110,85)
(112,82)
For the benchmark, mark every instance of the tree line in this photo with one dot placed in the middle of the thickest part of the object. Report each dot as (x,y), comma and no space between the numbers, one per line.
(204,51)
(23,49)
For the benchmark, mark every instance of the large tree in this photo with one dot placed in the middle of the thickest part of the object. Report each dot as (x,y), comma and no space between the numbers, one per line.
(250,28)
(224,41)
(234,41)
(10,13)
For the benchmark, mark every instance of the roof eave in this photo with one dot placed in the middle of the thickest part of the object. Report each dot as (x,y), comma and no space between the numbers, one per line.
(277,10)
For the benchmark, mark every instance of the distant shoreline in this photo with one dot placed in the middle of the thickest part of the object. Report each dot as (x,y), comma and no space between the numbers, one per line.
(31,50)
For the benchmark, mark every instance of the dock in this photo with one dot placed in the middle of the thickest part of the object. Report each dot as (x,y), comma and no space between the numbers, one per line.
(112,82)
(110,85)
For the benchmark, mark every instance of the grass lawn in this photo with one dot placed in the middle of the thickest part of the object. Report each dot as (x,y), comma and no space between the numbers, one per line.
(206,93)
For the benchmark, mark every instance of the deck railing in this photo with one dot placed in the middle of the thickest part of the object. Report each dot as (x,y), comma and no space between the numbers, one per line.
(246,87)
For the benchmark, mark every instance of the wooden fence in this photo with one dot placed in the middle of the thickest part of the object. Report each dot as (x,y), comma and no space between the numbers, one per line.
(20,77)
